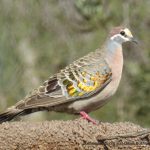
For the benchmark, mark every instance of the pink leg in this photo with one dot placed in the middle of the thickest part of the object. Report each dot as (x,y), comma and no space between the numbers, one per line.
(86,116)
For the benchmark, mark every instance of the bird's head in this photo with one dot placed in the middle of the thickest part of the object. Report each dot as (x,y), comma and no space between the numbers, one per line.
(121,35)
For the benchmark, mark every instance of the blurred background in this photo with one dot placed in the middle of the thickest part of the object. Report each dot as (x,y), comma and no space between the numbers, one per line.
(38,38)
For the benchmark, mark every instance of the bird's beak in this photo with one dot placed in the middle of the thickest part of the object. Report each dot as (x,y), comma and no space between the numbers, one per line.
(133,40)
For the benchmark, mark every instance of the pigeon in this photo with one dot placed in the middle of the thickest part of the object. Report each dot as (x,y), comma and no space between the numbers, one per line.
(81,87)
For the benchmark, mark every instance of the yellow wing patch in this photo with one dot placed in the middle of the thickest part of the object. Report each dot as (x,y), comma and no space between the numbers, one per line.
(97,79)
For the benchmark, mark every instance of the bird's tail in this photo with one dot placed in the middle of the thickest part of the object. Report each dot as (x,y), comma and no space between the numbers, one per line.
(13,112)
(10,113)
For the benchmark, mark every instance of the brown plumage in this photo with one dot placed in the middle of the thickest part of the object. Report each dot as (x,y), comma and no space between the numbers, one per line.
(116,30)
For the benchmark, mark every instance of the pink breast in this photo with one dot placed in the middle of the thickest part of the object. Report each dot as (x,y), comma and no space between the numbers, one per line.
(115,61)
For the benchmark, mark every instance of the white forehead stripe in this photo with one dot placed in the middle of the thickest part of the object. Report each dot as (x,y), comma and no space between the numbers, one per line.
(128,32)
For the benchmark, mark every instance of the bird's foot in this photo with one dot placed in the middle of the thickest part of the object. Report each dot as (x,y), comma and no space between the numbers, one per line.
(87,117)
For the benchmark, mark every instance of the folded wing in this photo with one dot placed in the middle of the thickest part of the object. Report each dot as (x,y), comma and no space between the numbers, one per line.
(80,80)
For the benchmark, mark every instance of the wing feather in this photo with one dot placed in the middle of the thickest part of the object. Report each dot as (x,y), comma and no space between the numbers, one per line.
(80,80)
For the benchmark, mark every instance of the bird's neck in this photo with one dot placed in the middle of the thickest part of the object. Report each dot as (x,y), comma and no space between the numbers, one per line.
(113,50)
(114,58)
(112,47)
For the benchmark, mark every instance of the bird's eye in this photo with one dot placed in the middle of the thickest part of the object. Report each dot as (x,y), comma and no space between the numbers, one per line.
(122,33)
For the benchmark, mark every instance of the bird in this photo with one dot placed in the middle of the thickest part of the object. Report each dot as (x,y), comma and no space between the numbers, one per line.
(81,87)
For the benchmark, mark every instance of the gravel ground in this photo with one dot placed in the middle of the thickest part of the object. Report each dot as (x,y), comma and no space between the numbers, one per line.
(66,135)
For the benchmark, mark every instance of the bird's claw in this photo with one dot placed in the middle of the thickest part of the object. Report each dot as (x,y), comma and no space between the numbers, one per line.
(87,117)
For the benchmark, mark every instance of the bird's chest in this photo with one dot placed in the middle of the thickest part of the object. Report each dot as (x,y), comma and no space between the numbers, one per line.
(116,64)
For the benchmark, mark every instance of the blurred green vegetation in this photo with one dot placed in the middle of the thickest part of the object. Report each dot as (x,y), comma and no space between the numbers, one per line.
(37,38)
